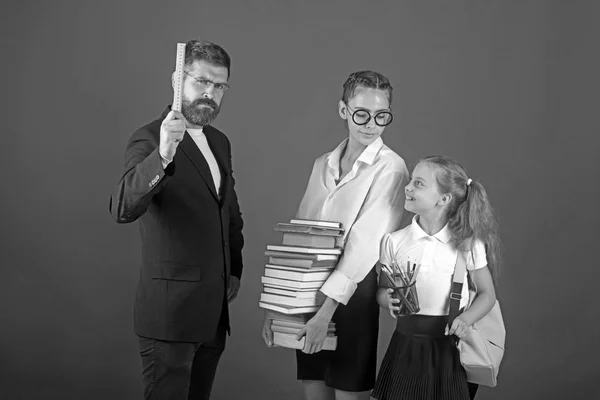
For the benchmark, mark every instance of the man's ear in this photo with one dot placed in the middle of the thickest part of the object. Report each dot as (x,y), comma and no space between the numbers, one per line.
(342,110)
(173,80)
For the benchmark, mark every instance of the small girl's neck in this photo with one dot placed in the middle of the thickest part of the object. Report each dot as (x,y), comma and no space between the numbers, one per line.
(432,224)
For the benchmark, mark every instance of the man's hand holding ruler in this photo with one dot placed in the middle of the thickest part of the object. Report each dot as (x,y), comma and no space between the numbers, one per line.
(173,128)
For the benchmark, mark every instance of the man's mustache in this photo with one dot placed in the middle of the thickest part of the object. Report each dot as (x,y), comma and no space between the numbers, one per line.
(208,102)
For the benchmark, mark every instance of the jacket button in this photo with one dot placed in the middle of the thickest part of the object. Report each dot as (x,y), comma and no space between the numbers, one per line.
(222,275)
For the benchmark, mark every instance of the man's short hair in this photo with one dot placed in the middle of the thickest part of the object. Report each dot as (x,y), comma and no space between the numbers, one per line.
(203,50)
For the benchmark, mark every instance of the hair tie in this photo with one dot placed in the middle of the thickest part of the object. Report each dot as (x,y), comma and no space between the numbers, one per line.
(469,182)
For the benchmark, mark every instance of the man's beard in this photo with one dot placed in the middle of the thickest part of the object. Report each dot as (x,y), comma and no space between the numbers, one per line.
(200,116)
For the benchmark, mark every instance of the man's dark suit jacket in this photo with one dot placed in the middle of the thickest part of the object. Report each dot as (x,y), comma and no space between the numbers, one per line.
(191,235)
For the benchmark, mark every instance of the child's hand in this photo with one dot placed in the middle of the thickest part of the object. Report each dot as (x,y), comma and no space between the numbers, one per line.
(459,328)
(392,303)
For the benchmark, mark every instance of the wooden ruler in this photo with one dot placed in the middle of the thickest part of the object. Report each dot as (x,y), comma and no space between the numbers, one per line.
(178,77)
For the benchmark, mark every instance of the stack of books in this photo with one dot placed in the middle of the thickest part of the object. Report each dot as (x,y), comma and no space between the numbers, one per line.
(295,271)
(285,328)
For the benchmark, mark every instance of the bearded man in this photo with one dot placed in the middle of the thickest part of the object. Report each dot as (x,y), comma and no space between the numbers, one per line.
(178,184)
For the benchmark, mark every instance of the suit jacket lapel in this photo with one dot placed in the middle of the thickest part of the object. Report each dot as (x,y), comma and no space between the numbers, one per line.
(189,148)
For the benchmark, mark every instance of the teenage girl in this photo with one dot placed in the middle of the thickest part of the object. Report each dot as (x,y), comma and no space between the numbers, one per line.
(452,214)
(355,184)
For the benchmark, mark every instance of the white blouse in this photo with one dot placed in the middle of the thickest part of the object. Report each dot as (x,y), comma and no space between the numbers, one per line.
(437,257)
(368,201)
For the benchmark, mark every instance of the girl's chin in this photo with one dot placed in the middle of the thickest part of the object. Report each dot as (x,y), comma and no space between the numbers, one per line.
(365,140)
(408,206)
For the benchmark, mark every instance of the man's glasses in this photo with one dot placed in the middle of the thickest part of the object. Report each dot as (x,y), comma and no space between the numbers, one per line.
(362,117)
(206,83)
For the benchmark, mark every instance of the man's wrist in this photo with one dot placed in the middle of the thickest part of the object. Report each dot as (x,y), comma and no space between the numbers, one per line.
(164,160)
(163,157)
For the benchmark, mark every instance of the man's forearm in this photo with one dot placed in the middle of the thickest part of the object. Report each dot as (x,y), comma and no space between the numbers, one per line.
(133,193)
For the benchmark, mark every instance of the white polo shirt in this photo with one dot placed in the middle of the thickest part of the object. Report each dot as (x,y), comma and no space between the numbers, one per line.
(437,257)
(368,201)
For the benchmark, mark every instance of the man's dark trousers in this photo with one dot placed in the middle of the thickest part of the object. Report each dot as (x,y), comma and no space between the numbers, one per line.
(180,370)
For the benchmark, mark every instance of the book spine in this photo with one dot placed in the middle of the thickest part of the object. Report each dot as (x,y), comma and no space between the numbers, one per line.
(290,301)
(308,240)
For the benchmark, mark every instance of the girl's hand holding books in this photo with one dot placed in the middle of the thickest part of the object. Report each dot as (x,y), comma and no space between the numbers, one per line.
(392,302)
(267,333)
(315,331)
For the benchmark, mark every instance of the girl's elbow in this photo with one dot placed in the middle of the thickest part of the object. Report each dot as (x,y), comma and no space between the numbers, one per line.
(490,295)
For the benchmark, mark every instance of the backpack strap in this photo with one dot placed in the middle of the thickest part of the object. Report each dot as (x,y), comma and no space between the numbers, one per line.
(457,285)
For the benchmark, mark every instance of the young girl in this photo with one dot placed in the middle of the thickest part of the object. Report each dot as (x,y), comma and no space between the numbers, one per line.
(452,214)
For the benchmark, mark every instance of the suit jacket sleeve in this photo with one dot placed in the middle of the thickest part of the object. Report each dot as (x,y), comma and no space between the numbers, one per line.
(144,176)
(236,224)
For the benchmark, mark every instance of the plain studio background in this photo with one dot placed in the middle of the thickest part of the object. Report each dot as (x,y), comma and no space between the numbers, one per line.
(508,88)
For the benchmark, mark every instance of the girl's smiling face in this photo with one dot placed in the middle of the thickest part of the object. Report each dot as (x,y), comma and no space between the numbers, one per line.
(422,192)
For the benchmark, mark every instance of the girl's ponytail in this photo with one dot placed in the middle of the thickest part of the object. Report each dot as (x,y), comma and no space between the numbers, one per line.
(474,219)
(470,215)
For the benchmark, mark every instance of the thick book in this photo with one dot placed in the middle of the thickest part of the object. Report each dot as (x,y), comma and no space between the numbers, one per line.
(301,256)
(299,319)
(298,294)
(324,224)
(287,283)
(299,263)
(309,230)
(290,301)
(293,289)
(279,321)
(290,341)
(298,269)
(295,331)
(304,249)
(306,276)
(288,309)
(307,240)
